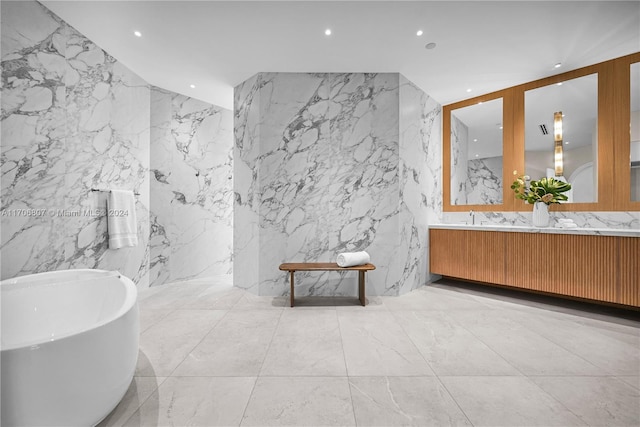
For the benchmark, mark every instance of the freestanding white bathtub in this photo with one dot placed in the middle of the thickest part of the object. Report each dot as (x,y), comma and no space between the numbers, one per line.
(69,346)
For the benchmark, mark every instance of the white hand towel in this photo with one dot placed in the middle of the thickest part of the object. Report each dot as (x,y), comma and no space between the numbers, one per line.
(121,219)
(349,259)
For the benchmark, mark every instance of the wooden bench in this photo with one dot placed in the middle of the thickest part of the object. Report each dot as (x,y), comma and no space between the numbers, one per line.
(292,267)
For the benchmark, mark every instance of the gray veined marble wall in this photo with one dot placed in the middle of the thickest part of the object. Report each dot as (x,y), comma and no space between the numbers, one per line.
(73,118)
(459,161)
(326,163)
(191,188)
(484,181)
(420,182)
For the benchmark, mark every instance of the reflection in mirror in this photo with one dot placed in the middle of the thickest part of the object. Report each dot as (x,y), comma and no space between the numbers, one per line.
(635,132)
(577,100)
(476,154)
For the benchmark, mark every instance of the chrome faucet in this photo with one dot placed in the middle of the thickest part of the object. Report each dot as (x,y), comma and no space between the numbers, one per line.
(473,217)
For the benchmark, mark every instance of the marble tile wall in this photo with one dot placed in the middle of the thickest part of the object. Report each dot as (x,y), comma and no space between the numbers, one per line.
(484,181)
(246,185)
(73,118)
(317,172)
(420,183)
(191,188)
(459,161)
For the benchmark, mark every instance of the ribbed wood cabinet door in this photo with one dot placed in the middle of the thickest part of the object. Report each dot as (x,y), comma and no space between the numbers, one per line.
(467,254)
(448,253)
(486,257)
(628,269)
(566,264)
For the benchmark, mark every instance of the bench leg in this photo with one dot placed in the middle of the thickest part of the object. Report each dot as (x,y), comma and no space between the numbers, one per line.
(291,282)
(361,287)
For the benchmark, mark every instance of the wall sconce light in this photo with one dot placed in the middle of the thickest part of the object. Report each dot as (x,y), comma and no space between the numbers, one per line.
(557,138)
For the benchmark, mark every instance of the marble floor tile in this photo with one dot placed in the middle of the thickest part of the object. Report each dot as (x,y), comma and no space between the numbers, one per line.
(428,299)
(633,381)
(195,401)
(151,316)
(139,391)
(614,353)
(306,343)
(172,295)
(404,401)
(372,303)
(235,347)
(598,401)
(168,342)
(218,297)
(300,401)
(449,348)
(507,401)
(440,355)
(526,350)
(255,302)
(375,344)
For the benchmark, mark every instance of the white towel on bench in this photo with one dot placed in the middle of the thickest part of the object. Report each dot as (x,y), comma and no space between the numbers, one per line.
(350,259)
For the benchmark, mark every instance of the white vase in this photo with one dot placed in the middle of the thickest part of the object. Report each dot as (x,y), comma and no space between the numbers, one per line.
(540,214)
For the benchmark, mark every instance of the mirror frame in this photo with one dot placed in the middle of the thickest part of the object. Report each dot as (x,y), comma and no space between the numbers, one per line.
(507,132)
(614,115)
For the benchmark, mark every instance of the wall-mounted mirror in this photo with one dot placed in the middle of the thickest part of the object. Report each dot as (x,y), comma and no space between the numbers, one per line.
(476,154)
(561,135)
(595,105)
(635,132)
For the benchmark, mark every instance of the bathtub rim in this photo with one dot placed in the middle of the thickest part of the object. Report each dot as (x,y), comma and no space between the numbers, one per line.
(130,300)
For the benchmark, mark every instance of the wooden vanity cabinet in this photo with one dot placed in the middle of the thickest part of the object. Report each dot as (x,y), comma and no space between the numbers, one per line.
(594,267)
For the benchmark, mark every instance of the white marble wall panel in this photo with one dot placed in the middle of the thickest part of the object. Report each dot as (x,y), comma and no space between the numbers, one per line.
(73,118)
(317,172)
(459,161)
(192,188)
(246,155)
(484,181)
(420,190)
(328,176)
(160,216)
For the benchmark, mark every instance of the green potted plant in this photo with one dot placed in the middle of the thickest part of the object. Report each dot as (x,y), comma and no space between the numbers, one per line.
(540,194)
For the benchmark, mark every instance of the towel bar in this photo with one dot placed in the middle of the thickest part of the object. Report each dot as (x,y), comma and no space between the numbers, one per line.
(108,191)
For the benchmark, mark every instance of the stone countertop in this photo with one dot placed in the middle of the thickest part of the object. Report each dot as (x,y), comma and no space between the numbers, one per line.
(623,232)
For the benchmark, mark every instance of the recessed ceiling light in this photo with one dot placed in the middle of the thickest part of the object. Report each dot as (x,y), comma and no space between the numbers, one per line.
(468,90)
(431,45)
(477,155)
(192,86)
(419,33)
(327,32)
(558,65)
(567,142)
(475,139)
(559,84)
(137,33)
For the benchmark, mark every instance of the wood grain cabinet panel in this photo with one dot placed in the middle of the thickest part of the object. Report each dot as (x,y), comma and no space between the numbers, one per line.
(599,268)
(448,252)
(467,254)
(566,264)
(628,286)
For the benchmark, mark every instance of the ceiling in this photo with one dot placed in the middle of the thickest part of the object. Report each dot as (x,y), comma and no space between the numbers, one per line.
(480,45)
